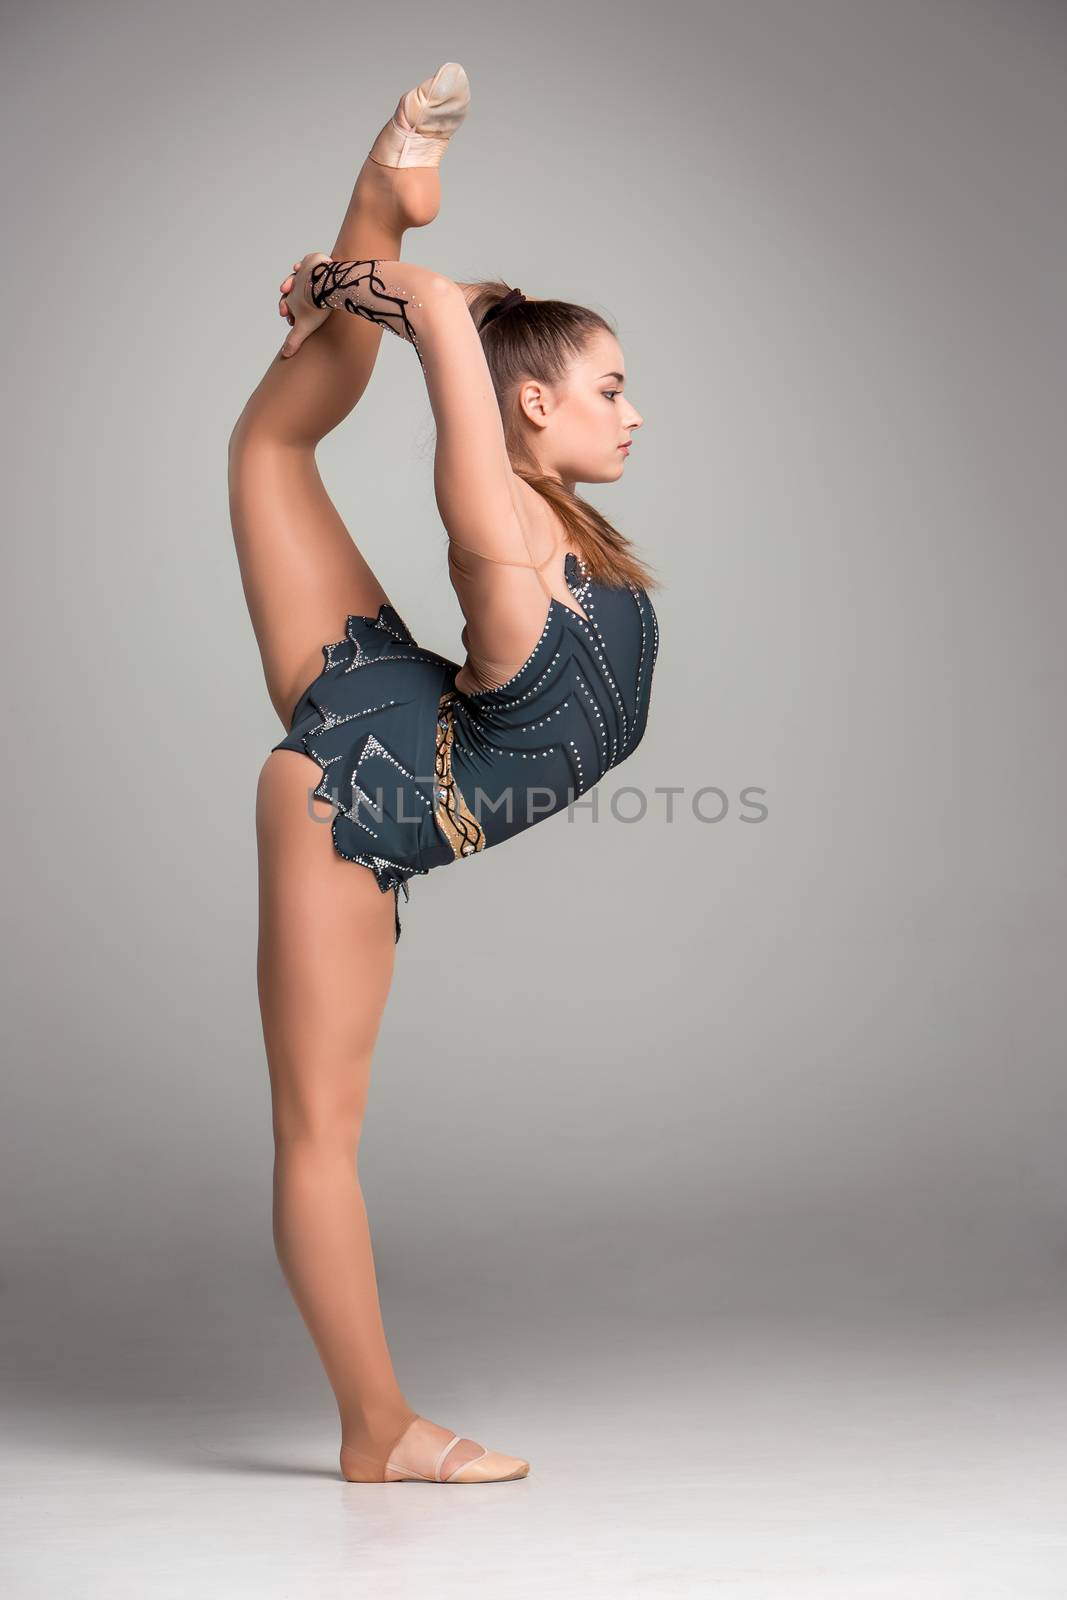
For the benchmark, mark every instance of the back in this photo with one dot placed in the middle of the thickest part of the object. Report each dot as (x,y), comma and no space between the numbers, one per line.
(504,586)
(575,707)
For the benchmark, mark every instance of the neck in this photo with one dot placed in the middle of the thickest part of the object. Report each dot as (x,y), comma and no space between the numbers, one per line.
(528,462)
(550,472)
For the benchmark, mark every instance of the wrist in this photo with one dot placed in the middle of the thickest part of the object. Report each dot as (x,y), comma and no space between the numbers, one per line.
(320,282)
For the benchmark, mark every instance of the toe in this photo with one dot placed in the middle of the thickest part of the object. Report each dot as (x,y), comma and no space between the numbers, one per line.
(493,1467)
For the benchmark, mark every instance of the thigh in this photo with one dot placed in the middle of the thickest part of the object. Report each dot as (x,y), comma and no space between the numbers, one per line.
(325,957)
(301,572)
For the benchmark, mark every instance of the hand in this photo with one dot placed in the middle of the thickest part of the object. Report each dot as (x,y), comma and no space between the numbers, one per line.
(296,306)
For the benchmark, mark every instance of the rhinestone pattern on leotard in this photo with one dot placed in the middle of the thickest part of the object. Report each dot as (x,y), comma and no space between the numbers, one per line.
(576,707)
(385,705)
(384,647)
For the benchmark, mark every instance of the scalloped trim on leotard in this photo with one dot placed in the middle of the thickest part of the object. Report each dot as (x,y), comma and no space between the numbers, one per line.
(388,874)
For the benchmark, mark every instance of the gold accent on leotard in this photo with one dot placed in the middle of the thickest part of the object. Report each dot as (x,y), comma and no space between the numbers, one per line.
(454,816)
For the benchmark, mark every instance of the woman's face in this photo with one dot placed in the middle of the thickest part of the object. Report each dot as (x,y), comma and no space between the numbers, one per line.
(583,425)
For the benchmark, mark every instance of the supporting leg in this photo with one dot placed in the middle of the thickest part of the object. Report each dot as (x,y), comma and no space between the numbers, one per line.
(325,965)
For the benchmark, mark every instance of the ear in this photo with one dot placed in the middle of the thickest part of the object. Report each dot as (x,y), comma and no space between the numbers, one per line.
(535,401)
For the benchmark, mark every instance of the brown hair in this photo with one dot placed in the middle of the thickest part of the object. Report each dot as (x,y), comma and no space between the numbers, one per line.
(539,339)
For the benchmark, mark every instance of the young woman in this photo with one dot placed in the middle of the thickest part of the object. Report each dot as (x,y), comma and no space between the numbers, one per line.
(417,760)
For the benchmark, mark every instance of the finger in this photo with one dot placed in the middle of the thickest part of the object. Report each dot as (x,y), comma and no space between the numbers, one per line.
(291,345)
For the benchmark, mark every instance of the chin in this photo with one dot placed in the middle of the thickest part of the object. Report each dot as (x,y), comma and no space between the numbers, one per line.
(603,474)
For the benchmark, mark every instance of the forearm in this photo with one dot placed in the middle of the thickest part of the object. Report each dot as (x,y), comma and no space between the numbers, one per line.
(395,294)
(473,479)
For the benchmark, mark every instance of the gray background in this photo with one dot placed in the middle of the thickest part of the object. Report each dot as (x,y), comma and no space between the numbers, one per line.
(716,1168)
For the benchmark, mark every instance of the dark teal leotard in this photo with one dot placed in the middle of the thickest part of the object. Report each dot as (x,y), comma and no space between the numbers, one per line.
(423,774)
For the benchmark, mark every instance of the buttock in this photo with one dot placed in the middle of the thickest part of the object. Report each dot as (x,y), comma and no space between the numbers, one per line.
(378,723)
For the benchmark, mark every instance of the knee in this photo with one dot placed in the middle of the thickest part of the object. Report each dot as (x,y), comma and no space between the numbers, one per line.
(236,438)
(246,433)
(319,1125)
(235,457)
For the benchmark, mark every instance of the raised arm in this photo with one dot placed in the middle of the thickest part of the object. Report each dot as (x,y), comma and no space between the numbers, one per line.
(500,585)
(473,479)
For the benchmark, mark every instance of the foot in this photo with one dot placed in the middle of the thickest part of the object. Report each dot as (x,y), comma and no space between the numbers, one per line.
(399,181)
(428,1453)
(425,119)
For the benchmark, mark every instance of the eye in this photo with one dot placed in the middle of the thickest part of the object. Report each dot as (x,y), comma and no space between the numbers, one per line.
(611,393)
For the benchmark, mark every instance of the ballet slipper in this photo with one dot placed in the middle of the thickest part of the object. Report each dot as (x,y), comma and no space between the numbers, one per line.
(425,119)
(490,1467)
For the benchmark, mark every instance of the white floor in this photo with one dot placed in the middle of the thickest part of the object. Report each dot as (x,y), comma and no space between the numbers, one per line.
(751,1453)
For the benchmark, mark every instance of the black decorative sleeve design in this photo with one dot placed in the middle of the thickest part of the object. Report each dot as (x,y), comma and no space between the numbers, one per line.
(358,286)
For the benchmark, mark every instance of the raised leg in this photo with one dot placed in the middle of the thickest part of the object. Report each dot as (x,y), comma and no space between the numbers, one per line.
(301,571)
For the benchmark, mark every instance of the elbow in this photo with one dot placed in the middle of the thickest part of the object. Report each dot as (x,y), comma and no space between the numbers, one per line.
(439,283)
(437,290)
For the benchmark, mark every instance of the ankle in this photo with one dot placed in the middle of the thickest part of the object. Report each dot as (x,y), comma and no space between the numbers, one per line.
(376,1428)
(366,1442)
(400,198)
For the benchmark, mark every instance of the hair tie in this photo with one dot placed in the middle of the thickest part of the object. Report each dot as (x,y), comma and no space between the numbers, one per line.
(513,297)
